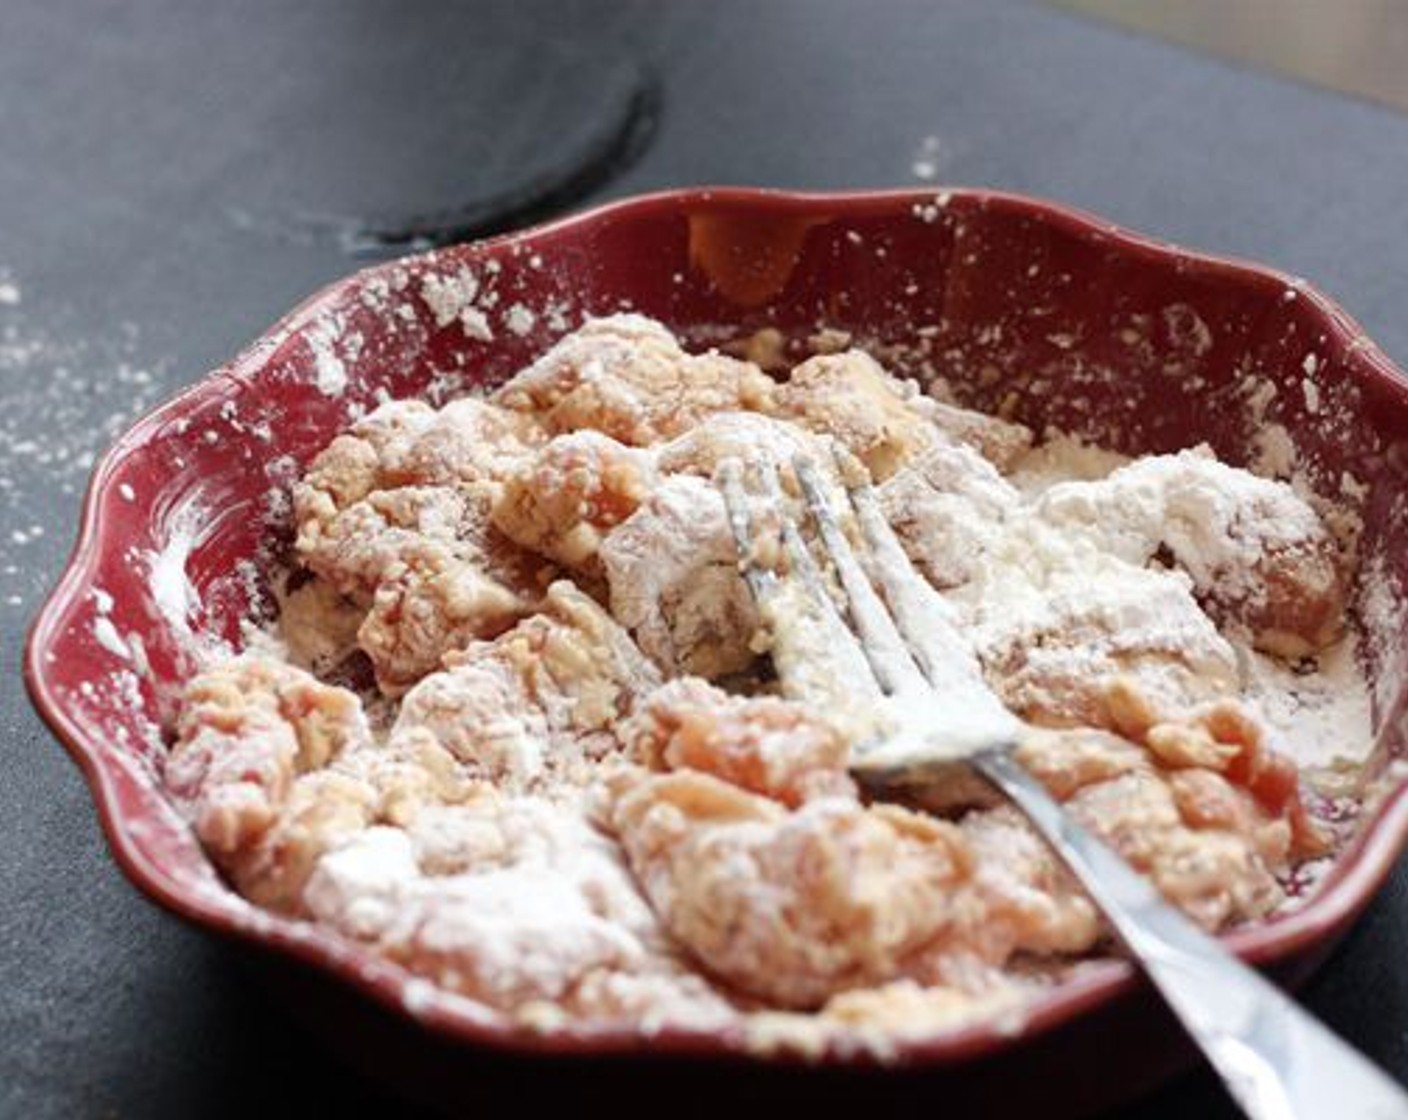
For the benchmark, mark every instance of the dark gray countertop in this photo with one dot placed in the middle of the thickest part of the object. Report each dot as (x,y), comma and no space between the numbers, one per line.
(172,180)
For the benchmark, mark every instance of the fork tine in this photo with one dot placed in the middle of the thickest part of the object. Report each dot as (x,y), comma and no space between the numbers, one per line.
(761,580)
(884,645)
(816,656)
(924,619)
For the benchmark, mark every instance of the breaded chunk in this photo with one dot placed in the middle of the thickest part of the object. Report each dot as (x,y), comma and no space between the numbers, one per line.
(561,501)
(627,376)
(1259,556)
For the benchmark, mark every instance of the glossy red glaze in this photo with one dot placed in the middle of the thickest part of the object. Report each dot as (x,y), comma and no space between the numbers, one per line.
(1053,316)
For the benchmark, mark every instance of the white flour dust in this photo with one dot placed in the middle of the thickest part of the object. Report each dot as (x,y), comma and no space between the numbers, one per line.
(68,394)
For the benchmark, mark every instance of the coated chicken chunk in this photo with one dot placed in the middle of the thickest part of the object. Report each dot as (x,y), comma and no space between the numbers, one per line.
(627,376)
(534,706)
(514,901)
(430,570)
(408,443)
(763,744)
(672,573)
(883,421)
(561,501)
(356,463)
(1257,553)
(949,507)
(1053,621)
(247,769)
(792,907)
(430,602)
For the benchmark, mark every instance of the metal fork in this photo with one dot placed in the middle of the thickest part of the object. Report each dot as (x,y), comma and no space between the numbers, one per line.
(906,680)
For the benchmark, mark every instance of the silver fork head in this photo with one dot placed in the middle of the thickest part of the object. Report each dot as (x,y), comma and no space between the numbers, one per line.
(891,646)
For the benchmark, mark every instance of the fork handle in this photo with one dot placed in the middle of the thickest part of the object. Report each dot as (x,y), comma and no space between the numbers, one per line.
(1277,1061)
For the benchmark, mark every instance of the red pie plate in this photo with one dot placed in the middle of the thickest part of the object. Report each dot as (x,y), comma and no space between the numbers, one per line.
(1049,315)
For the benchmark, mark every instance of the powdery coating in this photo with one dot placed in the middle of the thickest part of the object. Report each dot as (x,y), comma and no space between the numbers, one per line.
(627,376)
(513,901)
(886,422)
(563,499)
(948,508)
(672,572)
(1052,620)
(1256,551)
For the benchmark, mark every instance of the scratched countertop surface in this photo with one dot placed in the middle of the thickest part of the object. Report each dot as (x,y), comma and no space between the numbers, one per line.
(173,179)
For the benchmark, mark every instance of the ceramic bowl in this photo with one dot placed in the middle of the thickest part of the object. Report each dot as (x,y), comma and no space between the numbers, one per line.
(1011,304)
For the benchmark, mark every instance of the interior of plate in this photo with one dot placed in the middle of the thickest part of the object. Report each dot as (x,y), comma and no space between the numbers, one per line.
(1009,306)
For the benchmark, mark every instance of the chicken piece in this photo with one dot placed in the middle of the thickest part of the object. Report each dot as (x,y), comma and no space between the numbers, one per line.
(1199,804)
(431,571)
(851,397)
(467,442)
(352,465)
(365,785)
(886,422)
(1053,620)
(408,443)
(1222,736)
(748,436)
(481,712)
(503,935)
(672,572)
(627,376)
(1259,556)
(563,500)
(354,549)
(948,507)
(245,729)
(532,706)
(763,744)
(324,809)
(246,732)
(791,907)
(433,600)
(579,665)
(1030,902)
(404,473)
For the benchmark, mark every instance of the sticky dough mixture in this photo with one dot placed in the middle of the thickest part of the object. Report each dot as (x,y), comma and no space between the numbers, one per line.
(517,735)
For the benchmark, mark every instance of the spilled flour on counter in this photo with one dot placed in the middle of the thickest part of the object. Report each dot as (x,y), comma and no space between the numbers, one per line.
(68,394)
